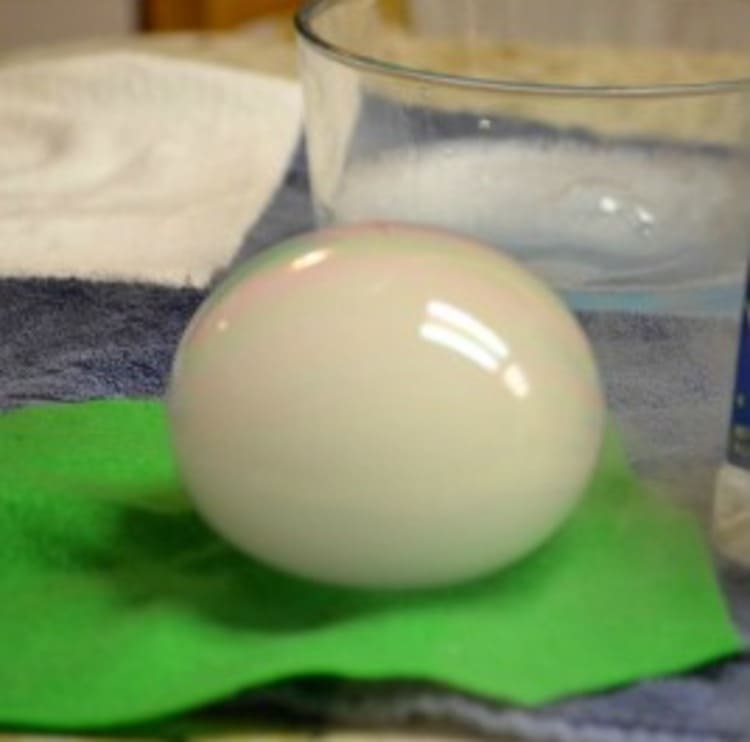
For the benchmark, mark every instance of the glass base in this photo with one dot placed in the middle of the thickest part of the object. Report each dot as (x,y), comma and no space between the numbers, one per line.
(732,514)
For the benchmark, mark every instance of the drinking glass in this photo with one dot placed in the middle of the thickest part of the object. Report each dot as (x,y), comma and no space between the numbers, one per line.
(604,145)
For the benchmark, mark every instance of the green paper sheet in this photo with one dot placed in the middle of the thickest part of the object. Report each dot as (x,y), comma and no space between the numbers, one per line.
(118,606)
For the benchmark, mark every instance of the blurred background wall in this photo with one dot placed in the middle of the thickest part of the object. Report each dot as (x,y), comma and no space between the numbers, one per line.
(32,22)
(35,22)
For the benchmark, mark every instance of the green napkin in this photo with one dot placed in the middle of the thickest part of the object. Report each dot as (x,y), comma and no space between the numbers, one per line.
(118,606)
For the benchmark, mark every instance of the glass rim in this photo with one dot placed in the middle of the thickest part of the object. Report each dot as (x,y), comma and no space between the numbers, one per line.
(310,9)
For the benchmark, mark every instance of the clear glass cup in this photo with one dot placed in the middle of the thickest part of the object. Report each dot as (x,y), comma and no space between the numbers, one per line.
(605,145)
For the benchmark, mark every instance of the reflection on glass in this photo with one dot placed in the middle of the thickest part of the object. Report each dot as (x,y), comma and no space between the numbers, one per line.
(609,205)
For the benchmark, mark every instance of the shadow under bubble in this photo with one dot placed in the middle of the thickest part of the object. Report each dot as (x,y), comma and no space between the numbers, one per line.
(174,558)
(152,559)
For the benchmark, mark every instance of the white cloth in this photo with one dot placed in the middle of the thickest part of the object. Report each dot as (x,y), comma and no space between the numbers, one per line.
(131,166)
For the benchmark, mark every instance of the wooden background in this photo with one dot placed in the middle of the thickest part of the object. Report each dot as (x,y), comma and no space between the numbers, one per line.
(209,15)
(704,24)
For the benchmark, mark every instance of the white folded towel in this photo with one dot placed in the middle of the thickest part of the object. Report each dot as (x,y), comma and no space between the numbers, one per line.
(137,167)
